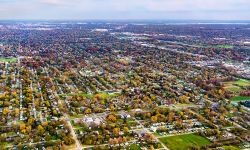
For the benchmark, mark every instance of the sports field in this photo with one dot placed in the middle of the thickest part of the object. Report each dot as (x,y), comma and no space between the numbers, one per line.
(226,46)
(235,86)
(240,98)
(183,142)
(9,60)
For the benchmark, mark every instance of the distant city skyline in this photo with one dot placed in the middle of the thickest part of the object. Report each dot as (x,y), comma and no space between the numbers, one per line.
(121,9)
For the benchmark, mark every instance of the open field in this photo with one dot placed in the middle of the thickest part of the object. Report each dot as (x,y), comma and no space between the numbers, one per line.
(235,86)
(184,105)
(230,148)
(242,82)
(9,60)
(183,142)
(79,94)
(226,46)
(134,147)
(101,95)
(4,145)
(240,98)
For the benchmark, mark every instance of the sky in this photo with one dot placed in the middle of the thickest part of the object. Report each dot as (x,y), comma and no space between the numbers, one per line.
(125,9)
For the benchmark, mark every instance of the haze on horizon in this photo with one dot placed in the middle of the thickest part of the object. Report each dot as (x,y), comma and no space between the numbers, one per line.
(121,9)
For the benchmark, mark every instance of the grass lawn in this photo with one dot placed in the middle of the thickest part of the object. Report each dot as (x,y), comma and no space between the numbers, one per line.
(90,148)
(243,82)
(226,46)
(5,144)
(240,98)
(80,94)
(134,147)
(184,105)
(101,95)
(76,116)
(230,148)
(9,60)
(132,123)
(183,142)
(240,82)
(234,86)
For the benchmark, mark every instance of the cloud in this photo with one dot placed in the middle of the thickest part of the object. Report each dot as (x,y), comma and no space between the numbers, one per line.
(57,2)
(124,9)
(51,2)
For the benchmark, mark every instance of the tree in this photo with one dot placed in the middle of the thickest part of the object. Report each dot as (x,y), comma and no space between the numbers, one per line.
(154,118)
(111,118)
(28,128)
(170,116)
(6,111)
(40,130)
(31,121)
(87,111)
(22,128)
(124,139)
(116,131)
(20,145)
(120,140)
(184,99)
(88,141)
(17,111)
(68,140)
(125,129)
